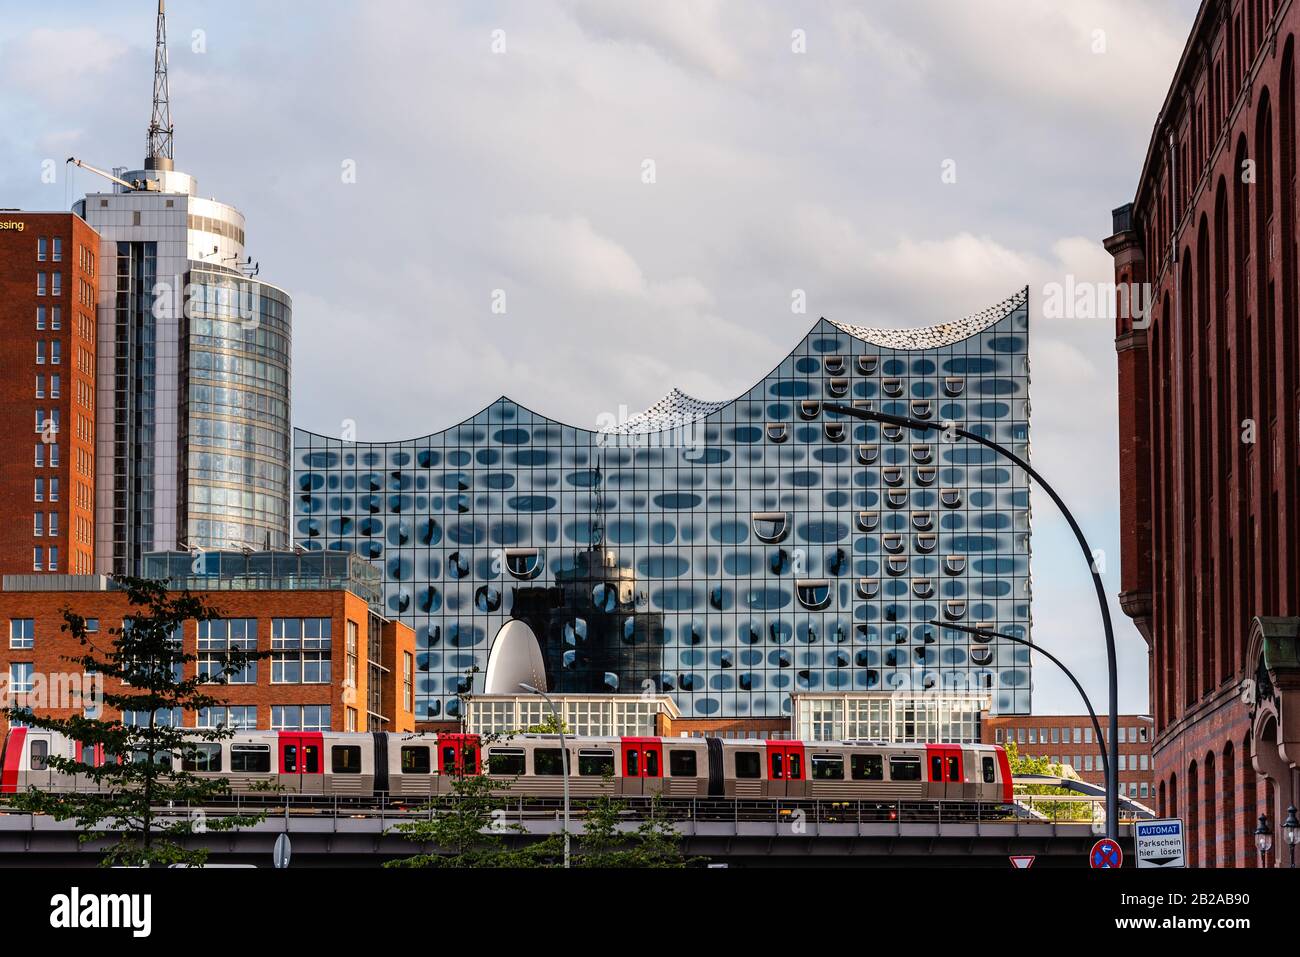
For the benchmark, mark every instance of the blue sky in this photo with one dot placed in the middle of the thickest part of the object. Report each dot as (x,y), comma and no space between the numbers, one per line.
(522,170)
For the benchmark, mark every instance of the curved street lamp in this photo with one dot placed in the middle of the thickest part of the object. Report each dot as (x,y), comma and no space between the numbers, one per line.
(564,758)
(987,633)
(1112,742)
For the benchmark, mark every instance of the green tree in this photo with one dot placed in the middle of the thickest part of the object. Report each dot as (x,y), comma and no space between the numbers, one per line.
(653,843)
(468,829)
(1028,764)
(146,753)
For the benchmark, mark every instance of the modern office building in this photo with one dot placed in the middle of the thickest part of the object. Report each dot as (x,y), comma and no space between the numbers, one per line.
(1072,740)
(1209,394)
(194,362)
(334,664)
(48,283)
(728,554)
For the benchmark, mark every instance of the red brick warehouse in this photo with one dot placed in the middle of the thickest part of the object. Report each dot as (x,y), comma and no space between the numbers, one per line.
(47,392)
(1209,396)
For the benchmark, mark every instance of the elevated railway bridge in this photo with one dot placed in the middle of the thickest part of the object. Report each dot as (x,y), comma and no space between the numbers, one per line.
(337,831)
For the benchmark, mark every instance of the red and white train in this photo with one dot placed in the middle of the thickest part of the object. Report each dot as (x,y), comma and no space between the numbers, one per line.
(385,765)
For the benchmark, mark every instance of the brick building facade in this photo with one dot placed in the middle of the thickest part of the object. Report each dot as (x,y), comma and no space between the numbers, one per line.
(1071,739)
(48,269)
(1209,379)
(335,665)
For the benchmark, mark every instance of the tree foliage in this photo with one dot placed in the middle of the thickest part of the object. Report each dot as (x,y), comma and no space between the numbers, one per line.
(1028,764)
(470,830)
(145,753)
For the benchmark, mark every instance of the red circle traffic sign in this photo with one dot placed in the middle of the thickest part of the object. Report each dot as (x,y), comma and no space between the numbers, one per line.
(1105,854)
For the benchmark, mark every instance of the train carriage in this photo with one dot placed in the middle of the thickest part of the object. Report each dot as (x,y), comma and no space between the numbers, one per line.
(418,766)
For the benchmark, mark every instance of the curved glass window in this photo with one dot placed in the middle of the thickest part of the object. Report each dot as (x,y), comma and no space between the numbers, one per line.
(771,527)
(868,587)
(814,594)
(867,364)
(523,563)
(868,454)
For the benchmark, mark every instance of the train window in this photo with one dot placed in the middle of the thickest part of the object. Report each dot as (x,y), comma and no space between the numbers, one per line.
(778,766)
(634,764)
(748,764)
(905,768)
(827,767)
(936,768)
(595,763)
(346,758)
(954,769)
(681,764)
(250,758)
(988,771)
(652,764)
(202,757)
(38,756)
(161,758)
(415,760)
(796,771)
(548,761)
(506,761)
(867,767)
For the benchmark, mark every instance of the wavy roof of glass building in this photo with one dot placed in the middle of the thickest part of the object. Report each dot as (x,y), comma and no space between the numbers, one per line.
(725,553)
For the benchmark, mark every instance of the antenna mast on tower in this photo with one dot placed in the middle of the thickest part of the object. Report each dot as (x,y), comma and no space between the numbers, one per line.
(158,145)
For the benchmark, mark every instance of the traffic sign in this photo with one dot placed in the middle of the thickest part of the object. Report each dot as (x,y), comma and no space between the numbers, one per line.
(1159,843)
(1022,862)
(282,851)
(1105,854)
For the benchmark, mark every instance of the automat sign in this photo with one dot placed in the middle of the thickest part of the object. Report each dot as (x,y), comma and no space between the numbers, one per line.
(1159,843)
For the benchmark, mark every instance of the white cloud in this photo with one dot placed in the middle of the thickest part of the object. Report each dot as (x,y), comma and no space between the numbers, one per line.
(53,65)
(570,253)
(688,33)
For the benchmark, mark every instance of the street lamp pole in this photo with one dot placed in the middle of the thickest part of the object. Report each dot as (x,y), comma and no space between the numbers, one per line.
(1112,741)
(986,633)
(564,758)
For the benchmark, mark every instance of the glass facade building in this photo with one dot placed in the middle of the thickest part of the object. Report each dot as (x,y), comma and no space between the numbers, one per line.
(193,377)
(728,554)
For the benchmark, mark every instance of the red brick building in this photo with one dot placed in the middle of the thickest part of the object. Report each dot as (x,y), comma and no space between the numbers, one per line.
(47,392)
(1209,380)
(334,665)
(1071,739)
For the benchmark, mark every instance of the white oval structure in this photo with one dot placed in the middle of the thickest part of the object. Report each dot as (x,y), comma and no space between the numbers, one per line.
(515,659)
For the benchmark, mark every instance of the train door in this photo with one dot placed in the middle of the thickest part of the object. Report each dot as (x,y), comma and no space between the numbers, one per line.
(92,755)
(786,771)
(643,765)
(301,764)
(459,754)
(945,772)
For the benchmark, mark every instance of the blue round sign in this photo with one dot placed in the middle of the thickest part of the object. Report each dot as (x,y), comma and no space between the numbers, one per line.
(1106,854)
